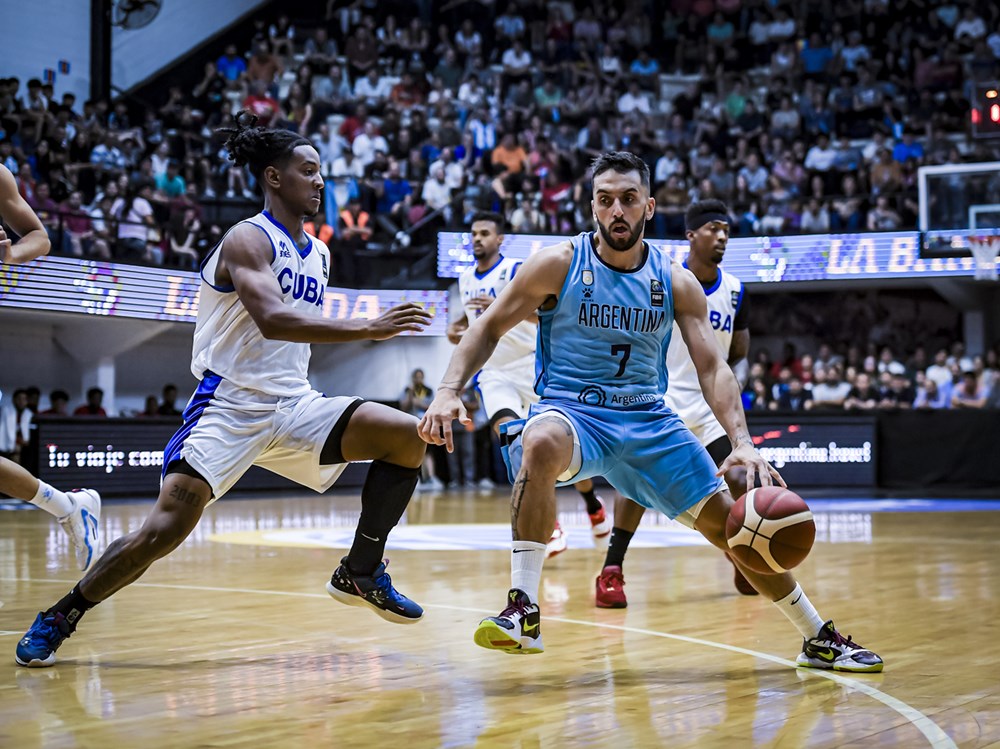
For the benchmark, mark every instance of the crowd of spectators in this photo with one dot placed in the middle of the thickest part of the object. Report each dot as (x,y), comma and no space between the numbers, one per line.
(857,379)
(804,115)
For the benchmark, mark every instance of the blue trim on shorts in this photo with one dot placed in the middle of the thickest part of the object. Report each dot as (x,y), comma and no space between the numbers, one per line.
(192,414)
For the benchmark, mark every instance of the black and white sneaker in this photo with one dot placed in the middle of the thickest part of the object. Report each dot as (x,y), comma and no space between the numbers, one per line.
(516,629)
(829,649)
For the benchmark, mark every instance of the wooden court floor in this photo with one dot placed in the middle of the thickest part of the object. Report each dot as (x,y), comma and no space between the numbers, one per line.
(233,642)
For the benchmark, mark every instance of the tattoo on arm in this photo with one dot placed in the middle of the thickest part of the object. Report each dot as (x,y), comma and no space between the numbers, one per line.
(742,438)
(520,484)
(192,499)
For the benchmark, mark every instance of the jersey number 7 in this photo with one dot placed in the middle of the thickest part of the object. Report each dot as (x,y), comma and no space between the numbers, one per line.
(625,351)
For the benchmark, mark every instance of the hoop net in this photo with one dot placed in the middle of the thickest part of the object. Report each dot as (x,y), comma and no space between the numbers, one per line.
(985,250)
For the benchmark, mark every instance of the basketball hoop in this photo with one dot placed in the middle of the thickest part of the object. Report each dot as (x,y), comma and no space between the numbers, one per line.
(985,250)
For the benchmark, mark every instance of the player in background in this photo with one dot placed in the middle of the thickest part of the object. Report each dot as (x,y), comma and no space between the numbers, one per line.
(606,303)
(262,291)
(707,225)
(507,381)
(78,512)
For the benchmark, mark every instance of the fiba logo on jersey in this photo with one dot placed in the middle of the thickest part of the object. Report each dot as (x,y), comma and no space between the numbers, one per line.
(588,284)
(655,292)
(736,299)
(592,396)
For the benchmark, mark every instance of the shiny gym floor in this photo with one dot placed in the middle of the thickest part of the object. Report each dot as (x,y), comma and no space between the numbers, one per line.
(232,641)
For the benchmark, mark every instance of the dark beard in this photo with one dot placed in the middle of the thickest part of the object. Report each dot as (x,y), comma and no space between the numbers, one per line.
(620,245)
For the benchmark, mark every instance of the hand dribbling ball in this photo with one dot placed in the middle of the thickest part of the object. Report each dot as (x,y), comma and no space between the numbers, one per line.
(770,530)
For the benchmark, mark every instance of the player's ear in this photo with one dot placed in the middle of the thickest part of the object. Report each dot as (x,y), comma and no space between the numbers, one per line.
(689,235)
(272,176)
(650,208)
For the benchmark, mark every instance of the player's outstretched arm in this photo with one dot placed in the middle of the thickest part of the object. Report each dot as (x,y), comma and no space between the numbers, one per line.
(34,242)
(539,280)
(718,383)
(246,257)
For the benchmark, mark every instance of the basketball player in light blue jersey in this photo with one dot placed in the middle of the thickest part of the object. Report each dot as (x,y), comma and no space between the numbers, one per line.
(261,306)
(707,224)
(78,512)
(607,303)
(506,382)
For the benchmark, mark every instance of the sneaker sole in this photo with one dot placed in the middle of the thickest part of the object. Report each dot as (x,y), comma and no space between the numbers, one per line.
(35,663)
(353,600)
(602,605)
(857,669)
(492,636)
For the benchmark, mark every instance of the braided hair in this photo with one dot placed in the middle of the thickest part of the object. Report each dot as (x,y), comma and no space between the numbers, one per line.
(259,147)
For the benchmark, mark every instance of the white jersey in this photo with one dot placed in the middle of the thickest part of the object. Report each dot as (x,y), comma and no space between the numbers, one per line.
(226,339)
(684,395)
(519,342)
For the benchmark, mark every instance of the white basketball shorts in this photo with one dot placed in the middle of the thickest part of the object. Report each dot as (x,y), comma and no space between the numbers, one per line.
(511,388)
(228,429)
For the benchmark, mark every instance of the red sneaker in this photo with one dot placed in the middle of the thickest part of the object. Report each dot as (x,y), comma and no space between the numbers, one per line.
(557,543)
(600,528)
(611,589)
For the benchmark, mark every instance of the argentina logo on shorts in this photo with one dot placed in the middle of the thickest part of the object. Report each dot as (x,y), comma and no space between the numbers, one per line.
(655,292)
(592,395)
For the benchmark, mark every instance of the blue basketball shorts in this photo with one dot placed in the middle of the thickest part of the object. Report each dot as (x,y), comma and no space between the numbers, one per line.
(647,454)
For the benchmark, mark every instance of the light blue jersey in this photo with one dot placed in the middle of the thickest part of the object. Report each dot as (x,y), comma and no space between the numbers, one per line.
(605,342)
(601,366)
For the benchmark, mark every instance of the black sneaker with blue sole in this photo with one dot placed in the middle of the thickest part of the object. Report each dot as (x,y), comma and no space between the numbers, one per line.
(374,591)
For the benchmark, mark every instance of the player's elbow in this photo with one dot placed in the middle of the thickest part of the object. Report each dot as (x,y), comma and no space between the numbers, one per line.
(274,327)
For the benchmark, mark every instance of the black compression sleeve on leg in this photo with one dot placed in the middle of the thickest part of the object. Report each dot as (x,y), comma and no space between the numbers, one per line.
(617,547)
(73,606)
(593,503)
(384,497)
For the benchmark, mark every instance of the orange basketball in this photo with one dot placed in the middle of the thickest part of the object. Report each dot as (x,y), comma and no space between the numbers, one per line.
(770,529)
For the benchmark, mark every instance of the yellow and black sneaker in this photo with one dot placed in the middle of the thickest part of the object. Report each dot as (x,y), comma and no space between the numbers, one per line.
(516,630)
(829,649)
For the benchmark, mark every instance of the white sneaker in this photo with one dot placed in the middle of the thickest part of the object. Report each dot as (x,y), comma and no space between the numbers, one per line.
(600,528)
(486,485)
(557,543)
(829,649)
(432,484)
(83,525)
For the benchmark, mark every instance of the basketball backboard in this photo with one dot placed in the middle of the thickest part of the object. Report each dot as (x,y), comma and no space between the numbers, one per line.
(958,202)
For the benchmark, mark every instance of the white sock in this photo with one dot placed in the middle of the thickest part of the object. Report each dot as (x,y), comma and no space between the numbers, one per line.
(800,612)
(52,500)
(526,562)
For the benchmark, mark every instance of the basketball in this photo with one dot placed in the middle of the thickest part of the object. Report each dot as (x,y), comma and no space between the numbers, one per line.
(770,529)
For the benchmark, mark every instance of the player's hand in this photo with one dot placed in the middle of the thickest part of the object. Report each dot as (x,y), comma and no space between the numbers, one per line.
(481,302)
(402,318)
(746,455)
(435,426)
(5,245)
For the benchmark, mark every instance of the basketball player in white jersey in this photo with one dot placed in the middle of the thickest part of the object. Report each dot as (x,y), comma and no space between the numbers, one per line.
(261,306)
(78,512)
(507,381)
(707,225)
